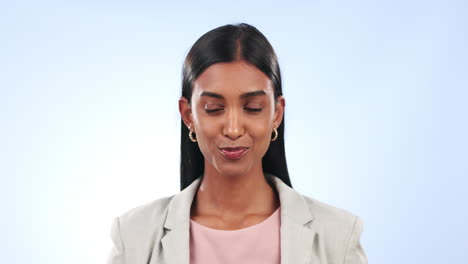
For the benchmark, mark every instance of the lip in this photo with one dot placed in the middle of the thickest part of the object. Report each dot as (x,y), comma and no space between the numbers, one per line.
(234,153)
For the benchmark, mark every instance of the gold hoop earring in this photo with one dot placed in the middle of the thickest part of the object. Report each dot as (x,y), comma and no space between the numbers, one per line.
(276,134)
(191,136)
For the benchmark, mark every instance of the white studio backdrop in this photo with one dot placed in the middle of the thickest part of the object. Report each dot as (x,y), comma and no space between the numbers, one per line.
(376,117)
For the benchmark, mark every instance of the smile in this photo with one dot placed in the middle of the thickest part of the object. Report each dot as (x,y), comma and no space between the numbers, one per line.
(234,153)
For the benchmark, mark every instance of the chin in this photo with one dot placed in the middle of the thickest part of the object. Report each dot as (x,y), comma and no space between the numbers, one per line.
(230,172)
(233,170)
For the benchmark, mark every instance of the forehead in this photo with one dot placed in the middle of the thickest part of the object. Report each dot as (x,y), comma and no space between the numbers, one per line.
(232,79)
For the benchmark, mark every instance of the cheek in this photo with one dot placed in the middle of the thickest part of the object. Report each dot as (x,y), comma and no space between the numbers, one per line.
(208,129)
(260,131)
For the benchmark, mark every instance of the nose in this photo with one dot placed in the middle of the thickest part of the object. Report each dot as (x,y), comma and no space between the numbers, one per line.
(234,127)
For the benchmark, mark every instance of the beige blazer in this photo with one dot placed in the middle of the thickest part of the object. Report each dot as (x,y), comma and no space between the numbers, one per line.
(311,231)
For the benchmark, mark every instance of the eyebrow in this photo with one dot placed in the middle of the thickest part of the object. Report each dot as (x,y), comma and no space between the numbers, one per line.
(244,95)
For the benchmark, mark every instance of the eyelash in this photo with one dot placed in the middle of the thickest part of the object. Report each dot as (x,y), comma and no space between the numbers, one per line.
(248,109)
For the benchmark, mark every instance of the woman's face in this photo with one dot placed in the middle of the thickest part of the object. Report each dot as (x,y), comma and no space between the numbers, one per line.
(232,106)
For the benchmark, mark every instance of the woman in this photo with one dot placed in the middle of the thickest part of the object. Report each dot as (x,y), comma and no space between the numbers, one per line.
(236,203)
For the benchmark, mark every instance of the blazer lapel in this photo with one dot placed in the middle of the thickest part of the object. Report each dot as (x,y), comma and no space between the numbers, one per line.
(297,240)
(176,243)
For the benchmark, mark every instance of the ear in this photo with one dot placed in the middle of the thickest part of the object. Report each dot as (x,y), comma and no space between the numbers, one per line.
(279,111)
(185,112)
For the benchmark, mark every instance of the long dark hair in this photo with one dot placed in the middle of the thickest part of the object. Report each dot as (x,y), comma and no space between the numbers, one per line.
(226,44)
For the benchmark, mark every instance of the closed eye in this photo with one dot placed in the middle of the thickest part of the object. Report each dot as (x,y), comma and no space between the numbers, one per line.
(247,109)
(212,110)
(253,109)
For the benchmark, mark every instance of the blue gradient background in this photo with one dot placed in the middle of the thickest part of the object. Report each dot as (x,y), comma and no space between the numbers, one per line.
(376,117)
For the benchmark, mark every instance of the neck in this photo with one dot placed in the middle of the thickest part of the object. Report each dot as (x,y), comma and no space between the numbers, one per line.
(234,195)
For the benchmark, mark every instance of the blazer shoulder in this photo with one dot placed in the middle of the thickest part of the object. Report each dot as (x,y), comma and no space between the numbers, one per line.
(333,222)
(330,214)
(340,230)
(145,215)
(135,231)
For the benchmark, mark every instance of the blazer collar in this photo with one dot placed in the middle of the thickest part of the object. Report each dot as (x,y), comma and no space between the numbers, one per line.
(297,237)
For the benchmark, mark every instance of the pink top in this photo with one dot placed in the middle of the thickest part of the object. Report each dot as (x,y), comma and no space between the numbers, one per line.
(257,244)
